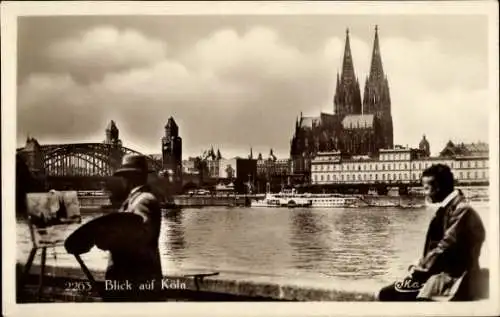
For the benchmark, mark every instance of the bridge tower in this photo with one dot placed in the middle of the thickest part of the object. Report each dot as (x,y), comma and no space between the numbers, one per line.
(112,133)
(172,151)
(33,157)
(115,152)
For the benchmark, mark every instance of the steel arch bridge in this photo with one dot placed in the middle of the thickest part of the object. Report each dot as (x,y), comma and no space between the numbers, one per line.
(86,159)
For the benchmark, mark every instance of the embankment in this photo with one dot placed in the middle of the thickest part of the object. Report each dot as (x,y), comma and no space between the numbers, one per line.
(59,282)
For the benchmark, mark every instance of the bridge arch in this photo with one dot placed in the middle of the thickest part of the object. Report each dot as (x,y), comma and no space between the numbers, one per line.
(87,159)
(153,162)
(76,161)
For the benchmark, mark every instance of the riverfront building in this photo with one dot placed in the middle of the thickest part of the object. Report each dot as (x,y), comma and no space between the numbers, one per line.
(272,166)
(272,173)
(217,170)
(189,167)
(401,166)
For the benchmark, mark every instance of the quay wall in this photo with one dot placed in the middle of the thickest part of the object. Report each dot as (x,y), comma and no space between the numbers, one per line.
(181,200)
(244,200)
(200,201)
(222,287)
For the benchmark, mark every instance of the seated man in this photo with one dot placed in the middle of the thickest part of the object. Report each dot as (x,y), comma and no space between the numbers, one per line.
(449,268)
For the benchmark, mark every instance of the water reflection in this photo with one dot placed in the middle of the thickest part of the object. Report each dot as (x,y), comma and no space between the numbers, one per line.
(309,239)
(364,242)
(223,238)
(172,239)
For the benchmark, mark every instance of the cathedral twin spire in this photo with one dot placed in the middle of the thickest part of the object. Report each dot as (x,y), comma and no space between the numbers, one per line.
(347,102)
(376,69)
(348,74)
(376,97)
(347,98)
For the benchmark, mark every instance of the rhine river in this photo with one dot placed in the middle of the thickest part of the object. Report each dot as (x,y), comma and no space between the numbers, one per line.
(367,245)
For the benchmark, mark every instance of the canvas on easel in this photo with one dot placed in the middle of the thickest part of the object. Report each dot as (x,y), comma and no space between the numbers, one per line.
(49,217)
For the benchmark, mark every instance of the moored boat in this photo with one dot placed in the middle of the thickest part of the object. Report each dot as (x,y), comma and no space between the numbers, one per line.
(293,199)
(335,201)
(281,200)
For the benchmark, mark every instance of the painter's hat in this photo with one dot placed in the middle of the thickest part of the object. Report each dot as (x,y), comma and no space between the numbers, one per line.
(133,163)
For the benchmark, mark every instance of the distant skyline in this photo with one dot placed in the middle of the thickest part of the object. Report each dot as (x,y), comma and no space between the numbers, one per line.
(237,82)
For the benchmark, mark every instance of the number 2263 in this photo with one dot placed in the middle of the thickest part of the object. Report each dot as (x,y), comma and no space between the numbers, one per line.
(78,286)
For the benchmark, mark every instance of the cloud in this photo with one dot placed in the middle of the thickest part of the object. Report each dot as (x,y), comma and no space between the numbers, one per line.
(455,114)
(426,62)
(105,48)
(57,109)
(239,90)
(257,53)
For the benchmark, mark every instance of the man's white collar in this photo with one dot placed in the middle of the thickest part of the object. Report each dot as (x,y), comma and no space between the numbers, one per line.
(448,199)
(135,189)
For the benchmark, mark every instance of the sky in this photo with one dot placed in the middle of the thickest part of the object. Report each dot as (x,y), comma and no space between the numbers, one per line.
(235,82)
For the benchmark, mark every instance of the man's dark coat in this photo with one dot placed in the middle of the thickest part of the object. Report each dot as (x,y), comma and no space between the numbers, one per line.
(138,259)
(451,253)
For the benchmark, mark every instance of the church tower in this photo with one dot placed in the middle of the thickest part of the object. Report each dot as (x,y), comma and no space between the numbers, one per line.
(376,99)
(347,99)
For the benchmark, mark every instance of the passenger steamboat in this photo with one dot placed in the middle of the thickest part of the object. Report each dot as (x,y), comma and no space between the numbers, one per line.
(289,198)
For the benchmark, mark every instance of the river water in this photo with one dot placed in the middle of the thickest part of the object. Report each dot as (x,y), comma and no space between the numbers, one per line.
(372,245)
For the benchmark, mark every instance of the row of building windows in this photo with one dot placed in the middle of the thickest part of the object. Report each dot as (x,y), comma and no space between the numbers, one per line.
(395,157)
(382,157)
(476,175)
(396,166)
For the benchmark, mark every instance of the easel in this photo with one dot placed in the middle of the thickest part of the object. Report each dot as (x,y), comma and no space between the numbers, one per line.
(38,243)
(48,236)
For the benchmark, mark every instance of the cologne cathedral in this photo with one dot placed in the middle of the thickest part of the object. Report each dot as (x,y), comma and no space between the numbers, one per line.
(358,127)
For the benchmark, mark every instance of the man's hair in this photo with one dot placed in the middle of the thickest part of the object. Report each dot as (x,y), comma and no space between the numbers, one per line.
(442,175)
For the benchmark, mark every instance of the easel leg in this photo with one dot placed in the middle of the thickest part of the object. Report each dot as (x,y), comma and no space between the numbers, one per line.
(87,273)
(42,272)
(27,268)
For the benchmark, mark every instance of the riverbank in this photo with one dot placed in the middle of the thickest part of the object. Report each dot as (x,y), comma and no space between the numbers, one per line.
(221,287)
(198,201)
(202,201)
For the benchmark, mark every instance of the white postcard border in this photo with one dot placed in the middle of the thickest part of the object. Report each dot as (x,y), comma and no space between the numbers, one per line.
(11,10)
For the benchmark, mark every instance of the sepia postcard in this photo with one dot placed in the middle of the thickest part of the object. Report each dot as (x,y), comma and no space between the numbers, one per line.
(250,158)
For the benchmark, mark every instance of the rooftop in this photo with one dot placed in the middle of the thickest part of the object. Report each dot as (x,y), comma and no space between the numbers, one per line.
(465,149)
